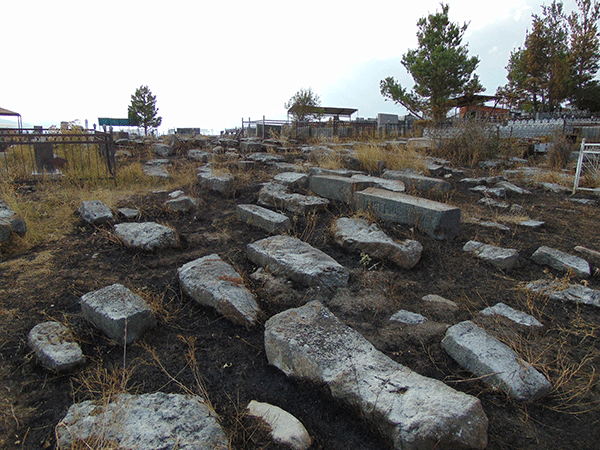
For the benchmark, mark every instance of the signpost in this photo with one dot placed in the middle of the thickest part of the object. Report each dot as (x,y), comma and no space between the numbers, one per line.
(115,122)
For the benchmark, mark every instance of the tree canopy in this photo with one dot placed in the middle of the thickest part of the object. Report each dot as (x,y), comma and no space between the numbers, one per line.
(143,111)
(440,67)
(304,103)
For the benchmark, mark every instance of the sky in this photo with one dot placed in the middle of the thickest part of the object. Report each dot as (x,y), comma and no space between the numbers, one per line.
(212,63)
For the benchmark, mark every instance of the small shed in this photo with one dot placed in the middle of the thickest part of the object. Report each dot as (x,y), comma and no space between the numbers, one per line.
(6,112)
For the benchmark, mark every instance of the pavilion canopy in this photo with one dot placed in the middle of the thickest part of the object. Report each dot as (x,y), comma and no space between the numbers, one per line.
(6,112)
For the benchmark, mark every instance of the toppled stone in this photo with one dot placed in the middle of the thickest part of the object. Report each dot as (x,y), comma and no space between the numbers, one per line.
(10,223)
(496,363)
(496,225)
(546,256)
(285,428)
(503,258)
(217,181)
(436,299)
(490,192)
(250,145)
(407,317)
(337,188)
(316,171)
(553,187)
(299,261)
(55,347)
(381,183)
(510,188)
(487,181)
(292,180)
(360,235)
(182,204)
(500,309)
(532,223)
(162,150)
(438,220)
(584,201)
(157,168)
(277,196)
(493,203)
(199,155)
(118,312)
(260,217)
(265,158)
(414,411)
(588,252)
(149,421)
(557,290)
(214,283)
(148,236)
(95,212)
(128,213)
(418,183)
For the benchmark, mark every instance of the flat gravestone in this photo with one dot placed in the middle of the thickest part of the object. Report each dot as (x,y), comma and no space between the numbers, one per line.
(414,411)
(55,347)
(122,315)
(293,180)
(277,196)
(299,261)
(260,217)
(214,283)
(418,183)
(150,421)
(558,260)
(147,235)
(337,188)
(497,364)
(360,235)
(503,258)
(437,220)
(95,212)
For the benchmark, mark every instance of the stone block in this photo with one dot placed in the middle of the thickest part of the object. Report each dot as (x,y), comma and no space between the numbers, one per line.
(260,217)
(95,212)
(147,236)
(502,258)
(118,312)
(418,183)
(437,220)
(55,347)
(337,188)
(221,182)
(558,260)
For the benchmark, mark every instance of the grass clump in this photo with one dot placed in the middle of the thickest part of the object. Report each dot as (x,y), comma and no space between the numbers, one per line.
(468,144)
(374,157)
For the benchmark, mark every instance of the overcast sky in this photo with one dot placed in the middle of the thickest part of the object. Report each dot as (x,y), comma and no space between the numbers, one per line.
(210,63)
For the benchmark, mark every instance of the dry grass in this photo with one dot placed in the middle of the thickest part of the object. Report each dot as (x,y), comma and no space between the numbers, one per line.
(471,143)
(395,157)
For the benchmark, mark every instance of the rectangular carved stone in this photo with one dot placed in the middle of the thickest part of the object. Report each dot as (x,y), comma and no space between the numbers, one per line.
(337,188)
(417,182)
(438,220)
(266,219)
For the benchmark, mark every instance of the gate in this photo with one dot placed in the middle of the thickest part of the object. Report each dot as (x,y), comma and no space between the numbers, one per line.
(35,153)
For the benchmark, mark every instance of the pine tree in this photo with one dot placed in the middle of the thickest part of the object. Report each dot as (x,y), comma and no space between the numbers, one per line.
(143,111)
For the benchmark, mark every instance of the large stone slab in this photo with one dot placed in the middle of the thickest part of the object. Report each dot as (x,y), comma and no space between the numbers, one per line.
(360,235)
(260,217)
(418,183)
(212,282)
(503,258)
(118,312)
(217,181)
(500,309)
(558,260)
(496,363)
(334,187)
(55,347)
(147,235)
(414,411)
(299,261)
(95,212)
(277,196)
(557,290)
(381,183)
(436,219)
(150,421)
(292,180)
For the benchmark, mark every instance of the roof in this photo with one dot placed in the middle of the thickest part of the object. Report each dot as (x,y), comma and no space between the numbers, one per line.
(322,110)
(6,112)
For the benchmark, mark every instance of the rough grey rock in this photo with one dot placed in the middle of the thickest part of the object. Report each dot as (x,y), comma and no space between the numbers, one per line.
(496,363)
(503,258)
(487,224)
(285,428)
(214,283)
(511,188)
(150,421)
(360,235)
(162,150)
(438,220)
(315,171)
(515,315)
(418,183)
(221,182)
(489,192)
(55,347)
(182,204)
(118,312)
(277,196)
(493,203)
(250,145)
(292,180)
(532,223)
(337,188)
(265,158)
(408,317)
(10,223)
(157,168)
(268,220)
(556,290)
(553,187)
(433,298)
(95,212)
(299,261)
(147,235)
(381,183)
(546,256)
(414,411)
(128,213)
(199,155)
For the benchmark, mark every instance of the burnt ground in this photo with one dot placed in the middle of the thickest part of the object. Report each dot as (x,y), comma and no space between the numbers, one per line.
(194,349)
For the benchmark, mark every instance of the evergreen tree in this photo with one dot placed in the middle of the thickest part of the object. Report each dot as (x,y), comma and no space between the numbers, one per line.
(304,104)
(440,67)
(143,111)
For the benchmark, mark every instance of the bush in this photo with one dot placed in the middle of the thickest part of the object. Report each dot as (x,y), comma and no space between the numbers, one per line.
(467,143)
(559,150)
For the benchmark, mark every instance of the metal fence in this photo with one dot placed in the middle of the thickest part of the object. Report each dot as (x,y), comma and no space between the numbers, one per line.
(27,154)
